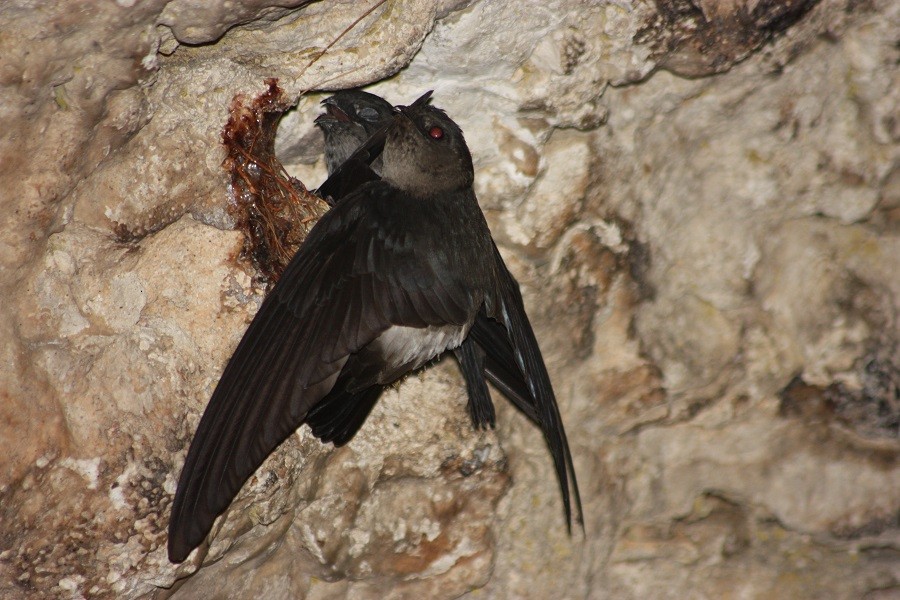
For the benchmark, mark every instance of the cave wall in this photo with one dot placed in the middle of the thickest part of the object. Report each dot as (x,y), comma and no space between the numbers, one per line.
(700,199)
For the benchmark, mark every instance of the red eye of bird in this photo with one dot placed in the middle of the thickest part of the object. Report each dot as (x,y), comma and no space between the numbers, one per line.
(436,132)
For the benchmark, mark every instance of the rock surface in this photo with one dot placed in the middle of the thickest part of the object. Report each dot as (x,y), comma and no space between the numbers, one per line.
(701,201)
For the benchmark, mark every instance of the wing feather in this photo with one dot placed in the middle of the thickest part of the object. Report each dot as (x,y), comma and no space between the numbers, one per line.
(372,262)
(509,310)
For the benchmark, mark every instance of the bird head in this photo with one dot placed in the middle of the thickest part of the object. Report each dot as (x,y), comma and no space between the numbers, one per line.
(425,152)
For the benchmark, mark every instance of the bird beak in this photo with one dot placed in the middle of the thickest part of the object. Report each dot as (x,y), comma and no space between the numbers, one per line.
(420,101)
(423,99)
(332,112)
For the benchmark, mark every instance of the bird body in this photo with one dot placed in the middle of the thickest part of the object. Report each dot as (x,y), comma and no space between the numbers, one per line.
(401,270)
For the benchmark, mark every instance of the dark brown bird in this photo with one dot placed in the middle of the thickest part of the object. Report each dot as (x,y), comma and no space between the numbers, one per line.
(401,270)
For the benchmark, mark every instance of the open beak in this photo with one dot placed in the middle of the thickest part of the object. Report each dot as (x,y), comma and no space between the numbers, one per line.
(332,112)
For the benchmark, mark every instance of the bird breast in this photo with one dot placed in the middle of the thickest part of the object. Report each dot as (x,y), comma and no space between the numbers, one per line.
(405,348)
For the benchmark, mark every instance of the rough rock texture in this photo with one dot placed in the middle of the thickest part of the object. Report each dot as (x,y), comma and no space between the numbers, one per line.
(700,199)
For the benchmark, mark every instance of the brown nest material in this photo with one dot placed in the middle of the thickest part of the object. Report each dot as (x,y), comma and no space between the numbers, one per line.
(274,210)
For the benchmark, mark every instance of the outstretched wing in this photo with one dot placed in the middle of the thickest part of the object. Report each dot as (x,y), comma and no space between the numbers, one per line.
(361,271)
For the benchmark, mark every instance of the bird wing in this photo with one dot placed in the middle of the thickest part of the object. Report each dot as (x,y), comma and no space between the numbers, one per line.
(513,343)
(355,171)
(370,263)
(499,364)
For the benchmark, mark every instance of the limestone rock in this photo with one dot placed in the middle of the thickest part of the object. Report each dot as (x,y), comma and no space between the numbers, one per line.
(699,199)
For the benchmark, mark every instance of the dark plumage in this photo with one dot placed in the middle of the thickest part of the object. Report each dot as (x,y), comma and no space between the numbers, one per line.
(401,270)
(350,118)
